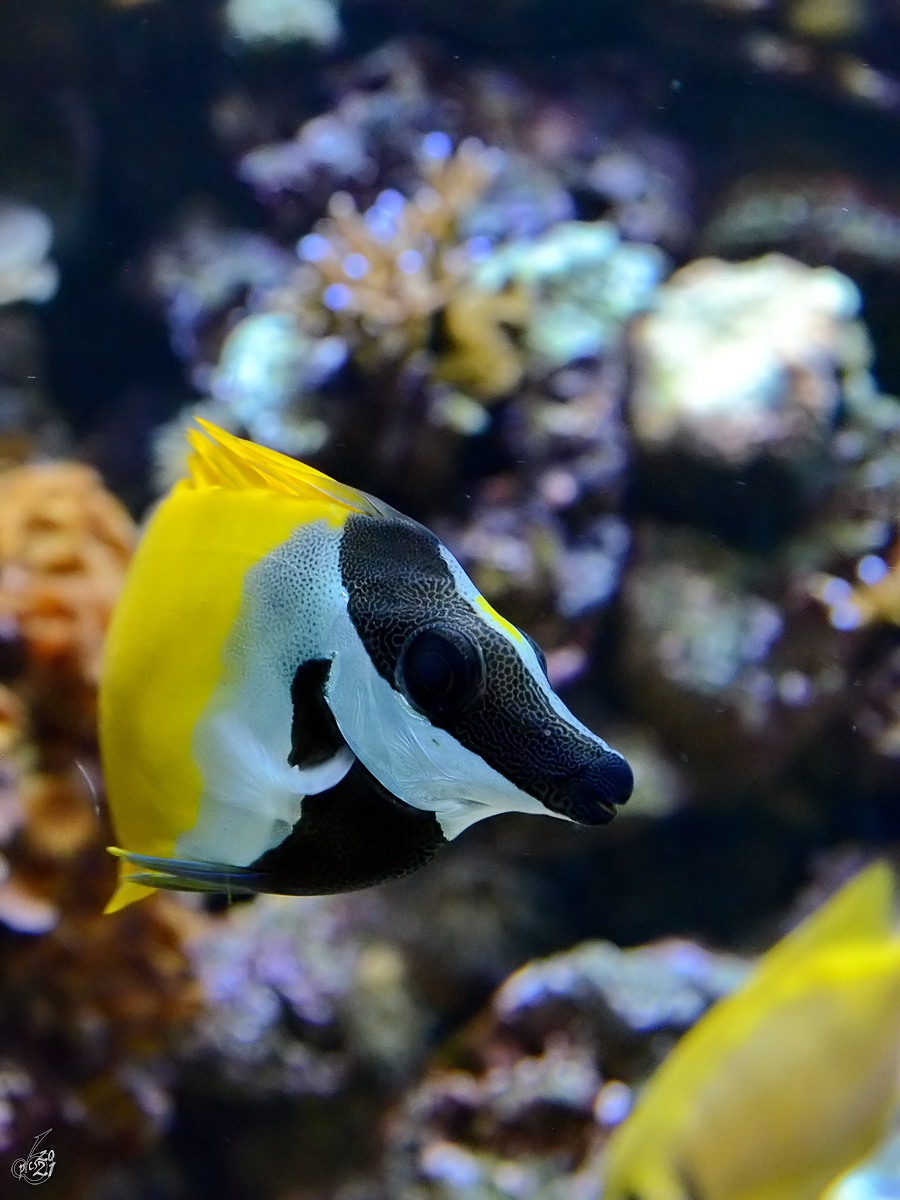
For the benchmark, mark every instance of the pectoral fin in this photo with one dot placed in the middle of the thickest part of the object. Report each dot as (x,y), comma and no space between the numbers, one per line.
(183,875)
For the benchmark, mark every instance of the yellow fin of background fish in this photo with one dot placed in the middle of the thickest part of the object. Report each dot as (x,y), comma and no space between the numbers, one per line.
(782,1086)
(239,501)
(862,910)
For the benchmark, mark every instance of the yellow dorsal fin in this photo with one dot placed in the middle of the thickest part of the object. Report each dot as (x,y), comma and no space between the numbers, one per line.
(862,911)
(222,460)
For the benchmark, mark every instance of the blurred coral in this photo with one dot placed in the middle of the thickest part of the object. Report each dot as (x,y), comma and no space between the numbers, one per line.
(546,1071)
(715,664)
(646,180)
(665,985)
(384,108)
(523,558)
(91,1009)
(299,993)
(90,1004)
(202,271)
(25,237)
(830,218)
(737,359)
(64,545)
(383,274)
(447,275)
(275,21)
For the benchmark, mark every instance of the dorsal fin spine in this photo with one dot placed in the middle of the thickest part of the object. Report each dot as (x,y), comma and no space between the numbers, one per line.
(222,460)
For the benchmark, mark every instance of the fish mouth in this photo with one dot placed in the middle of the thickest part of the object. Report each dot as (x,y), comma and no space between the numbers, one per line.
(593,794)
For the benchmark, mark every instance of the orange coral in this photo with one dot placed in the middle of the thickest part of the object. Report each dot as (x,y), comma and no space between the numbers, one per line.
(12,722)
(64,545)
(89,1002)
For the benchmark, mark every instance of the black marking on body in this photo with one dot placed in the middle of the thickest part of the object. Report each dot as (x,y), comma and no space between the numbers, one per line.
(315,737)
(352,836)
(398,583)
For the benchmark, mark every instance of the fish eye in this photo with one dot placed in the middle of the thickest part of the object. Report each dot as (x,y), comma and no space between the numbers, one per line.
(541,656)
(441,670)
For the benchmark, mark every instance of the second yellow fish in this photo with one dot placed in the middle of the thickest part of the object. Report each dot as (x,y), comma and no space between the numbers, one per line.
(785,1084)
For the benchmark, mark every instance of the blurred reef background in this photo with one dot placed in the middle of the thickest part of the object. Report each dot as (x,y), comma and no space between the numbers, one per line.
(608,295)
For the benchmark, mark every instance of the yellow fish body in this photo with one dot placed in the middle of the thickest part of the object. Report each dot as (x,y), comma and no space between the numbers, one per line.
(302,692)
(783,1085)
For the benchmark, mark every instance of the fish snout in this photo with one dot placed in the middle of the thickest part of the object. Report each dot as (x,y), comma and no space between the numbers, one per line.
(592,794)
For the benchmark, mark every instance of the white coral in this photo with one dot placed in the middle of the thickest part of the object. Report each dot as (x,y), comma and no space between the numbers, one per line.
(284,21)
(735,358)
(25,238)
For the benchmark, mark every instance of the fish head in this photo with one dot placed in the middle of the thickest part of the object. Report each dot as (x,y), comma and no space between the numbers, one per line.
(446,702)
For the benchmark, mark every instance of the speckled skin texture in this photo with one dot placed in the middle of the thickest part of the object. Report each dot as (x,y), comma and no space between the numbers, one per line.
(398,582)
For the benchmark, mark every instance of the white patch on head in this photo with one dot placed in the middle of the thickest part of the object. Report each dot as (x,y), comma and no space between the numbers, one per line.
(251,797)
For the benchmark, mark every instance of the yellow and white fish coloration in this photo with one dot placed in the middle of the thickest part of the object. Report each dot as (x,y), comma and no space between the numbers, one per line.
(304,693)
(782,1086)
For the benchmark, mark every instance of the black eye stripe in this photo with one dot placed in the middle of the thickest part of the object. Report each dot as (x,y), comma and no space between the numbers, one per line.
(399,583)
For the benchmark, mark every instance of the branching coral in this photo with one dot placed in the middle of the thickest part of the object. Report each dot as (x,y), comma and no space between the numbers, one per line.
(439,268)
(383,274)
(371,285)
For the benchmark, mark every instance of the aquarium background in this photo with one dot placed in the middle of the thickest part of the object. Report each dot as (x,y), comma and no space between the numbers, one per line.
(605,294)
